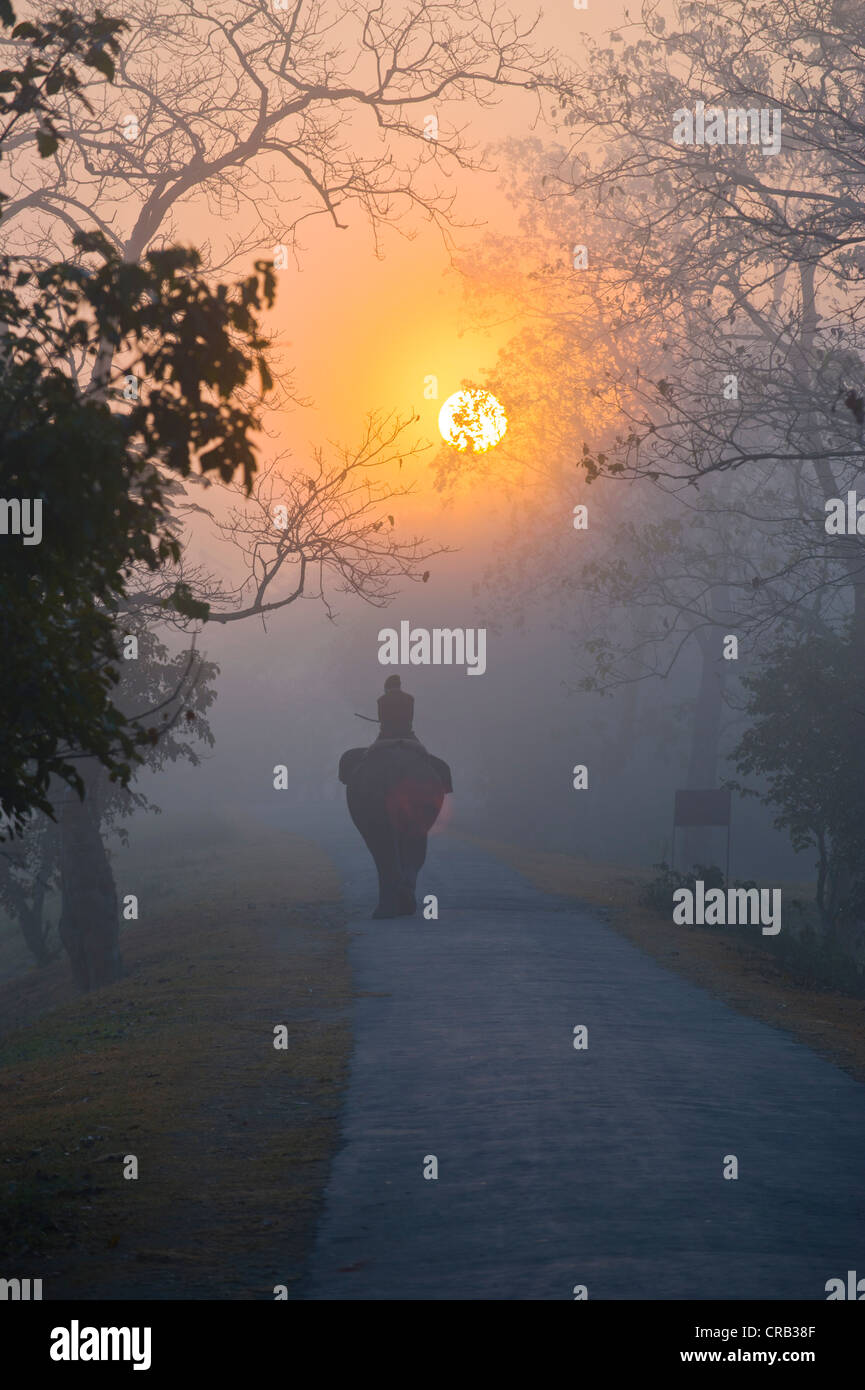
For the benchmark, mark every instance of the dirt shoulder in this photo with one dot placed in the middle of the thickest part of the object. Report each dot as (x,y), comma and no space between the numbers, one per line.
(176,1066)
(745,977)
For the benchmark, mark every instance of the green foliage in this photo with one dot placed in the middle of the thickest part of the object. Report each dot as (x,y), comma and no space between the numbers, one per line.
(167,695)
(184,603)
(47,69)
(101,467)
(807,742)
(813,959)
(657,896)
(29,879)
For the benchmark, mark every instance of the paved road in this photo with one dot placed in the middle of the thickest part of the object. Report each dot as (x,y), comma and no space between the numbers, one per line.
(557,1167)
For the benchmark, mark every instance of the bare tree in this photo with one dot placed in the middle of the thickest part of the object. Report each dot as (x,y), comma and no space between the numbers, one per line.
(325,529)
(271,114)
(684,553)
(748,251)
(266,117)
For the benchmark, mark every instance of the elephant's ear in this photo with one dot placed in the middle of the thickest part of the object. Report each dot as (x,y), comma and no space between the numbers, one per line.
(443,771)
(348,764)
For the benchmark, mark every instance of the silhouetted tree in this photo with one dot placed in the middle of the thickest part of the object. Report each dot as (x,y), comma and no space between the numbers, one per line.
(804,743)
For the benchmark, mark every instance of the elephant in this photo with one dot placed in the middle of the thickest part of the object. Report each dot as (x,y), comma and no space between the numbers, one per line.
(395,790)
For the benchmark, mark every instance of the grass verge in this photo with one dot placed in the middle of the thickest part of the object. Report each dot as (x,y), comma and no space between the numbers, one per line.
(176,1066)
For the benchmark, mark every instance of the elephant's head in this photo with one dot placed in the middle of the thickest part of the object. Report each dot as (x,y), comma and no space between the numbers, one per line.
(349,763)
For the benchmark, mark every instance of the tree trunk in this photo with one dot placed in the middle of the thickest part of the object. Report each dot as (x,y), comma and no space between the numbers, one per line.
(621,750)
(33,927)
(697,841)
(89,924)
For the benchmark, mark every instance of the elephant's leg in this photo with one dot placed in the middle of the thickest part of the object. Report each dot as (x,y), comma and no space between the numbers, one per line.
(382,845)
(365,806)
(412,858)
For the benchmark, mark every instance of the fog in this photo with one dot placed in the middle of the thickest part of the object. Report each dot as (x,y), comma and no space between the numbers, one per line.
(432,637)
(290,693)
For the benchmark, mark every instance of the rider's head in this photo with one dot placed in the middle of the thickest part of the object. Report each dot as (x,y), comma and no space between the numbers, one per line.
(393,683)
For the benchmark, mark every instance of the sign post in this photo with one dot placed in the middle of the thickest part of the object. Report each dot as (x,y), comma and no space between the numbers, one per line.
(710,807)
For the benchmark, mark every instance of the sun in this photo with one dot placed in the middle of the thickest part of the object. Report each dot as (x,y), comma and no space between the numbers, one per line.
(472,420)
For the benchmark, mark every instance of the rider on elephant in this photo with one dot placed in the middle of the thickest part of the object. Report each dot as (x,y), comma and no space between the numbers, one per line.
(396,711)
